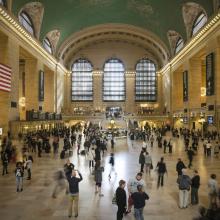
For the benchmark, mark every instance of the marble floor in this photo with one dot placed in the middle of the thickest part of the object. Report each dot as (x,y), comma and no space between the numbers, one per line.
(36,203)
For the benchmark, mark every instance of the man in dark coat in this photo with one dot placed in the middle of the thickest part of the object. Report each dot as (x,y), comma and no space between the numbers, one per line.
(179,166)
(121,199)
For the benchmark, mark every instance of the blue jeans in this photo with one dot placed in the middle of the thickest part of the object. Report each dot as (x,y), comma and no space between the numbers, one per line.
(138,214)
(19,182)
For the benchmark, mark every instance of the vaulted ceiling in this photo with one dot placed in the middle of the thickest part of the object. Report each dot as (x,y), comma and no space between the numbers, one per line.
(71,16)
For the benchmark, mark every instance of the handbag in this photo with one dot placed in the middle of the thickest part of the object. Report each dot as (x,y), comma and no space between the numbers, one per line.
(151,166)
(114,202)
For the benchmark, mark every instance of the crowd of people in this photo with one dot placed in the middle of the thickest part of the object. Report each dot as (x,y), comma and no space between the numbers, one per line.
(89,141)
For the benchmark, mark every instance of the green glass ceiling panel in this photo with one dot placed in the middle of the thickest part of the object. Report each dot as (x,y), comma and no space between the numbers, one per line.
(70,16)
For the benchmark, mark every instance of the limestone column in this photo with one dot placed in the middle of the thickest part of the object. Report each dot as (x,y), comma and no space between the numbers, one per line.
(195,82)
(4,96)
(177,90)
(13,62)
(130,93)
(160,100)
(213,46)
(97,90)
(31,83)
(49,95)
(67,99)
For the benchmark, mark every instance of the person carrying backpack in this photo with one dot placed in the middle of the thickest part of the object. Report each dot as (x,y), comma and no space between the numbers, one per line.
(184,182)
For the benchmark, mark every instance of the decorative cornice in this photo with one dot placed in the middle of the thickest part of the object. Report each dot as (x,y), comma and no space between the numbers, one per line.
(193,43)
(14,26)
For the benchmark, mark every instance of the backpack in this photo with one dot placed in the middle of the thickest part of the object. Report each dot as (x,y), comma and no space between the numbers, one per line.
(184,183)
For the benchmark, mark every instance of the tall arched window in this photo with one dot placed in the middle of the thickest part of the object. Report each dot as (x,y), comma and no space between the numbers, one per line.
(179,45)
(114,80)
(82,81)
(3,2)
(26,22)
(200,21)
(146,81)
(47,45)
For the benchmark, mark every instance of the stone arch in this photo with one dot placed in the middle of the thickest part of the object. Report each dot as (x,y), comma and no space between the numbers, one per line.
(117,33)
(53,37)
(173,37)
(36,11)
(190,11)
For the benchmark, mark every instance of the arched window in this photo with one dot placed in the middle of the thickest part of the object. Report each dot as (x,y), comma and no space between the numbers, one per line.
(114,80)
(47,45)
(146,81)
(26,22)
(82,81)
(179,45)
(3,2)
(200,21)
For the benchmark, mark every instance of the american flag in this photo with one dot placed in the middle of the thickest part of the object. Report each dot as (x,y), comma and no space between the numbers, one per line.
(5,78)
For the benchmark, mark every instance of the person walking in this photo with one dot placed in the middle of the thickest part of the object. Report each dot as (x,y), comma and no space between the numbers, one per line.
(74,191)
(152,141)
(209,148)
(184,183)
(91,157)
(190,154)
(112,142)
(164,145)
(98,177)
(28,166)
(179,166)
(121,199)
(194,188)
(60,182)
(216,149)
(19,173)
(161,169)
(148,162)
(213,191)
(112,162)
(139,198)
(132,188)
(142,160)
(4,157)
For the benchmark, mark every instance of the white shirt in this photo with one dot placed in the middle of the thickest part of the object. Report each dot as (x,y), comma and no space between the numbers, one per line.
(133,183)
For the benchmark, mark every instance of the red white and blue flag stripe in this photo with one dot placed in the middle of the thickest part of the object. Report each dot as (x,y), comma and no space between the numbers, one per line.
(5,78)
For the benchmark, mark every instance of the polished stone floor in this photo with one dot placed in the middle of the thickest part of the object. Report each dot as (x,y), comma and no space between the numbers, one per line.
(35,202)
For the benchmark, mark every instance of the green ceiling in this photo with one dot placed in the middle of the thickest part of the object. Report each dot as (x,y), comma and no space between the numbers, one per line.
(70,16)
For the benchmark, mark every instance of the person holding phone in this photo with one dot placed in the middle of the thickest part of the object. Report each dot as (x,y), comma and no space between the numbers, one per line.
(73,181)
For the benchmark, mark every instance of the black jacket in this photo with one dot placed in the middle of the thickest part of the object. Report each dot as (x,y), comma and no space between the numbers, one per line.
(161,167)
(74,183)
(179,166)
(121,197)
(139,199)
(195,182)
